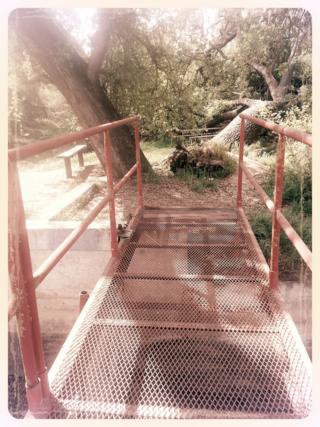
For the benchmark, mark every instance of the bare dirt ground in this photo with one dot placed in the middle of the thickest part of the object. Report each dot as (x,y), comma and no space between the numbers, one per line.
(174,192)
(41,188)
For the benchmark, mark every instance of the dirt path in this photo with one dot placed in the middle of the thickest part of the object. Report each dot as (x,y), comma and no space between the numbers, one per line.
(41,188)
(174,192)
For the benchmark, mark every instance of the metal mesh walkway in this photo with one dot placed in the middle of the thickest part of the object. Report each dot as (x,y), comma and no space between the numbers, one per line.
(184,325)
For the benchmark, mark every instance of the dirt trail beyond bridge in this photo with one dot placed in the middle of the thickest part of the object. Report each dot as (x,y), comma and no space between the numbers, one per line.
(41,188)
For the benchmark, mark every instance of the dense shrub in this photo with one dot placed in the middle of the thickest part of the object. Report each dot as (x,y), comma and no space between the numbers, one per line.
(261,224)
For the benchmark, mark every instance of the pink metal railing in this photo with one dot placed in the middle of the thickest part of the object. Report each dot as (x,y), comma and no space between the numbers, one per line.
(23,281)
(275,206)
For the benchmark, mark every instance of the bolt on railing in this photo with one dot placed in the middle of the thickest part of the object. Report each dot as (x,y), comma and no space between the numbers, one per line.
(22,280)
(275,206)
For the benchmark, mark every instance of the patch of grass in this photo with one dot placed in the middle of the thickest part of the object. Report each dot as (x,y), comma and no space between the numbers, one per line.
(156,151)
(230,165)
(196,183)
(90,158)
(268,159)
(150,176)
(293,183)
(291,193)
(40,164)
(263,142)
(267,155)
(261,223)
(220,152)
(271,150)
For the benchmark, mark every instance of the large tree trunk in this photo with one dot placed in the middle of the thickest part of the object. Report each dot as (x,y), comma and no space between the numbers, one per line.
(49,46)
(231,134)
(229,115)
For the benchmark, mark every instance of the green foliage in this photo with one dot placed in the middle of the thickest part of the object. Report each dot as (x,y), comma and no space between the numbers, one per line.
(271,149)
(156,151)
(261,224)
(298,161)
(150,176)
(37,111)
(196,182)
(297,189)
(160,64)
(151,43)
(296,117)
(219,152)
(263,142)
(291,193)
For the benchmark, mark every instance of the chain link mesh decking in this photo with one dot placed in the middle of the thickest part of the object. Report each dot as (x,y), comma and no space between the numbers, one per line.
(184,325)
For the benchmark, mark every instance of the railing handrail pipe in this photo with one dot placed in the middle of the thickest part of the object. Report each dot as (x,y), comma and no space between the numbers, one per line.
(22,153)
(305,138)
(33,358)
(275,206)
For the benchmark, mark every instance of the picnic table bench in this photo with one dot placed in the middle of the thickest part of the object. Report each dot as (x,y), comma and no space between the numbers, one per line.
(78,149)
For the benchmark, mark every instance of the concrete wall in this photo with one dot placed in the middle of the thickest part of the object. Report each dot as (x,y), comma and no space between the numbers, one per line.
(78,270)
(58,294)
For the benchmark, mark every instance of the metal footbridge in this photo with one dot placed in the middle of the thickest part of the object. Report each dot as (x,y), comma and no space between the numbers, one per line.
(186,321)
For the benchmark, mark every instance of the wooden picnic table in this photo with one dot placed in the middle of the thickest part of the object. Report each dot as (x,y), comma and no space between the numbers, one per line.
(78,149)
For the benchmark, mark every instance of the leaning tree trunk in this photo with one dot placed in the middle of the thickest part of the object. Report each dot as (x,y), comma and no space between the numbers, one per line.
(48,45)
(229,115)
(231,134)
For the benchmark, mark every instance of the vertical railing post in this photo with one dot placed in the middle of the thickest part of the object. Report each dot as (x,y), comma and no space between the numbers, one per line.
(140,199)
(83,298)
(19,285)
(112,212)
(31,293)
(239,194)
(278,184)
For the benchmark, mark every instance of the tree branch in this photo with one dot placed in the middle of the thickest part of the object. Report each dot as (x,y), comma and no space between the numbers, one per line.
(150,50)
(229,115)
(193,57)
(285,81)
(215,47)
(227,38)
(298,42)
(278,91)
(100,42)
(268,77)
(230,91)
(240,101)
(70,39)
(244,101)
